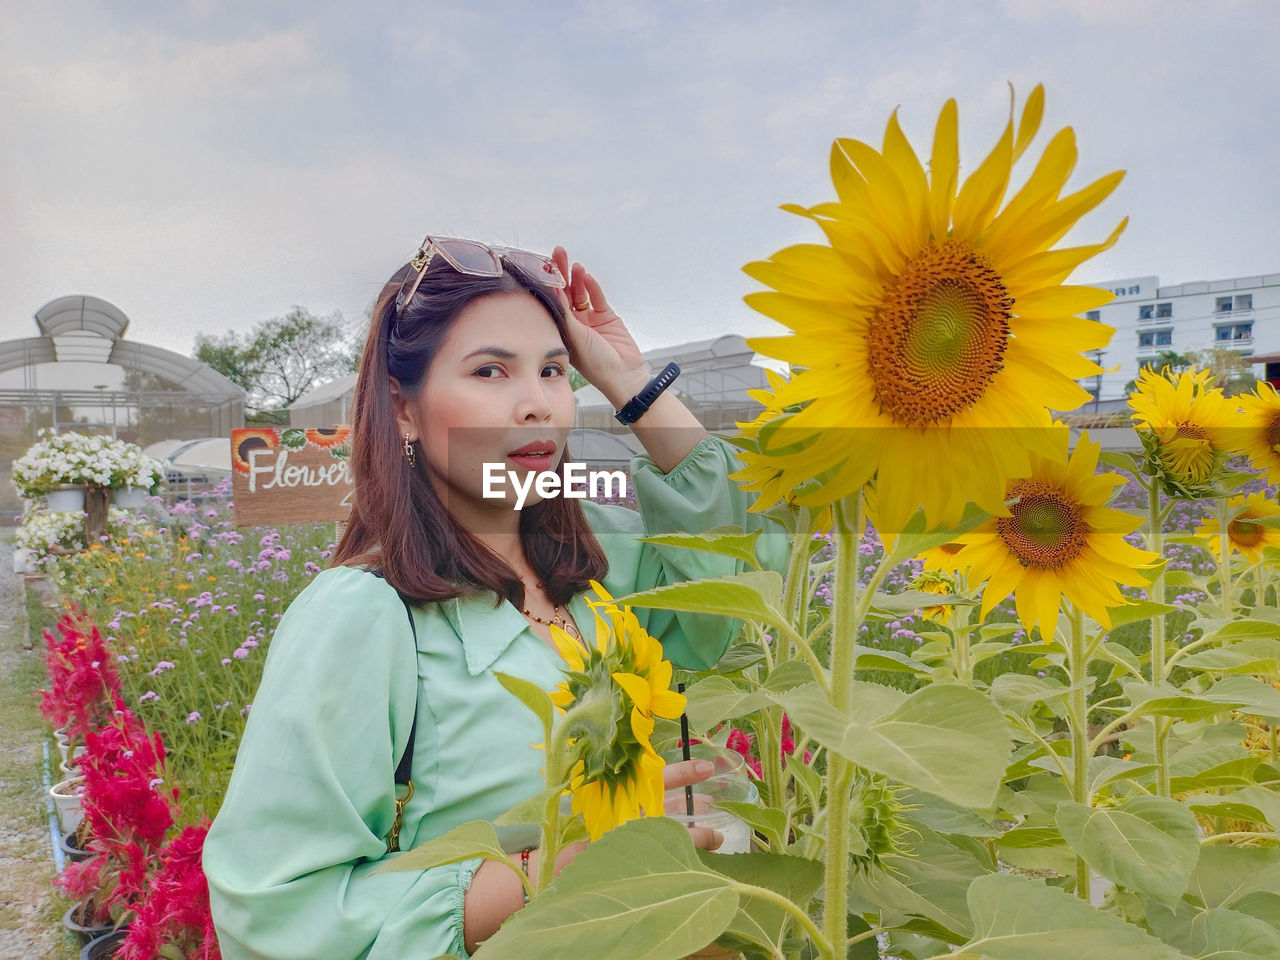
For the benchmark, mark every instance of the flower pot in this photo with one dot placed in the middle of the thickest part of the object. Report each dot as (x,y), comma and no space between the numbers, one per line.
(68,498)
(103,947)
(130,498)
(74,845)
(24,560)
(84,911)
(66,797)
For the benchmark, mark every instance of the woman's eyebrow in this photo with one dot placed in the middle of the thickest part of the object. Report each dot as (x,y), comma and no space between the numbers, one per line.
(504,354)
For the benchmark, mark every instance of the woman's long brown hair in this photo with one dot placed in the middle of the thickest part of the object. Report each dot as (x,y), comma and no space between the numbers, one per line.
(397,523)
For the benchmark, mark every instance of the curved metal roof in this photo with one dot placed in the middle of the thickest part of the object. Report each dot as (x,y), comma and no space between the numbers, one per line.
(76,314)
(81,328)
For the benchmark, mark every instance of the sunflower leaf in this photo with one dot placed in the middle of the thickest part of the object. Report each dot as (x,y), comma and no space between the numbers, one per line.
(753,595)
(949,741)
(728,541)
(915,538)
(1147,843)
(475,838)
(638,893)
(533,697)
(1015,918)
(795,878)
(1138,610)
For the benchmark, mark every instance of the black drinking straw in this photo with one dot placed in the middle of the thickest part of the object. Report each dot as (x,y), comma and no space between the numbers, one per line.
(684,739)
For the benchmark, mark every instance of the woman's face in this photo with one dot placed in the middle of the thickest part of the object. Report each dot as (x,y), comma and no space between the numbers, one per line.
(496,393)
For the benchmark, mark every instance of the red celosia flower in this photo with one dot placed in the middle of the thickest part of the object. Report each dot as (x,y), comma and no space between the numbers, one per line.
(82,675)
(127,813)
(176,911)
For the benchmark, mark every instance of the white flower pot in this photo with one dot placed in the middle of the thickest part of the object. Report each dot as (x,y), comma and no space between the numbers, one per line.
(66,797)
(130,498)
(66,499)
(70,766)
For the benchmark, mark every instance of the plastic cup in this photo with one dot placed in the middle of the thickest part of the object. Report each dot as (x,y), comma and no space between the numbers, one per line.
(728,782)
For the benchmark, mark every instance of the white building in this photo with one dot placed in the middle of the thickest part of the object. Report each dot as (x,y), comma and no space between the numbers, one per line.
(1242,314)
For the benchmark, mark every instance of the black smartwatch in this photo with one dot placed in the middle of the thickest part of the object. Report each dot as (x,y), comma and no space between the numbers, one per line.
(638,405)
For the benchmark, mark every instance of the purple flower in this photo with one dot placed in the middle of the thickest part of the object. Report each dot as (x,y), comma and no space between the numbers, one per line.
(162,666)
(250,643)
(149,695)
(193,716)
(225,661)
(240,653)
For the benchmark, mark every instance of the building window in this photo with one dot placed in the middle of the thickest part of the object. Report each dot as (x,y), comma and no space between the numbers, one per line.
(1227,332)
(1146,338)
(1243,331)
(1133,290)
(1146,311)
(1223,305)
(1164,338)
(1164,310)
(1244,301)
(1093,315)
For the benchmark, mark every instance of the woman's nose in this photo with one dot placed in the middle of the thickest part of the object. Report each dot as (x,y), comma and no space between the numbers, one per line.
(535,404)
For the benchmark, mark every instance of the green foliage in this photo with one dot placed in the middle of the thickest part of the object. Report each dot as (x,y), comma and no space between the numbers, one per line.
(281,358)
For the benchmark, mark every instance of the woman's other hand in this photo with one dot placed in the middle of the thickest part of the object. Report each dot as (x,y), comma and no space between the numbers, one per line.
(601,346)
(686,773)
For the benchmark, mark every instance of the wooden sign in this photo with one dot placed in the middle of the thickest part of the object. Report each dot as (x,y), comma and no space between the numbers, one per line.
(291,474)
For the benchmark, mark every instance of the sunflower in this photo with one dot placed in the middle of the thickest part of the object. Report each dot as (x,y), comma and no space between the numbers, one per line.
(932,581)
(619,775)
(934,330)
(1059,540)
(1259,432)
(941,559)
(1186,425)
(761,474)
(1244,533)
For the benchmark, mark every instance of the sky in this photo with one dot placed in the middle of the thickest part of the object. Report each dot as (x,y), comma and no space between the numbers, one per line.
(208,164)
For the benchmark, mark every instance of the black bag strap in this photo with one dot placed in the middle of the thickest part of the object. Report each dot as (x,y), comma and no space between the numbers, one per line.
(404,769)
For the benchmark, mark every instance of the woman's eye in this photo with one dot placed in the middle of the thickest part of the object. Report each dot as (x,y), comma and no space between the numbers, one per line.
(553,370)
(489,370)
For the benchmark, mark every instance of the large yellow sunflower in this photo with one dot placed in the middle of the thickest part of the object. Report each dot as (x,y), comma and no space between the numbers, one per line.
(1187,427)
(934,330)
(1259,430)
(1244,533)
(619,775)
(1059,540)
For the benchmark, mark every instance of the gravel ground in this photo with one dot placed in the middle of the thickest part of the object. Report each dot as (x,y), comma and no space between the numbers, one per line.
(29,906)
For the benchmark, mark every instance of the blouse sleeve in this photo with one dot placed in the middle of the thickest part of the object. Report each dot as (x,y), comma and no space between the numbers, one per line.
(695,496)
(291,854)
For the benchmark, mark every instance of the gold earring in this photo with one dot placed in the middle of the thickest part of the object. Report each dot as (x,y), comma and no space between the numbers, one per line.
(409,453)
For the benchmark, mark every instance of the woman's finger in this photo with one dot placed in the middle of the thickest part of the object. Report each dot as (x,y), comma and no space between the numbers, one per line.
(596,293)
(704,838)
(686,773)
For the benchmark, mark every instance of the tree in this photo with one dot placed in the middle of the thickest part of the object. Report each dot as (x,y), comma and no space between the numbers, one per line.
(1176,362)
(1231,370)
(281,359)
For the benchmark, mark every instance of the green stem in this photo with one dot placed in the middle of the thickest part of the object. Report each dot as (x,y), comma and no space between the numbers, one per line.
(1224,559)
(958,617)
(1275,742)
(1078,716)
(797,572)
(820,942)
(771,759)
(847,610)
(1160,725)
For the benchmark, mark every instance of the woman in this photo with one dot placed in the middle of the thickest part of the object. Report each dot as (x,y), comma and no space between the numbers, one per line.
(465,365)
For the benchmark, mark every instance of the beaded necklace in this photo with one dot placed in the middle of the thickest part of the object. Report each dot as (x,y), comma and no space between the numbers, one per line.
(557,618)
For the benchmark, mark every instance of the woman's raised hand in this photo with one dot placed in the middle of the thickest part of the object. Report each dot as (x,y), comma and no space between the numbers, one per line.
(602,348)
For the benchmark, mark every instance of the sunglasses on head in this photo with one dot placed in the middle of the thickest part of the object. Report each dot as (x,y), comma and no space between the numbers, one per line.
(477,259)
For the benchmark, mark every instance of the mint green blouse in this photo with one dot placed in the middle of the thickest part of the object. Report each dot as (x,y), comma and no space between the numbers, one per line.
(290,857)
